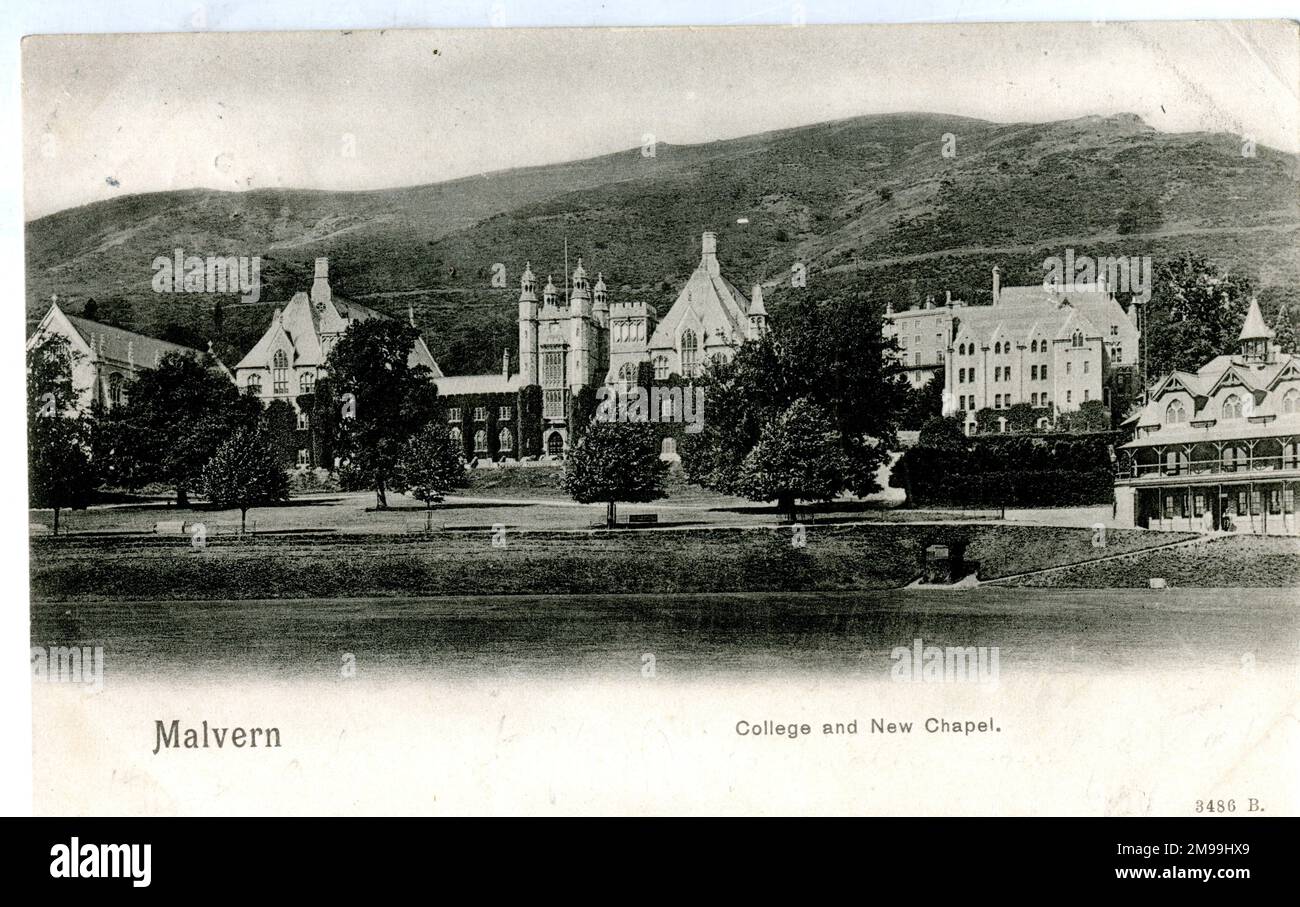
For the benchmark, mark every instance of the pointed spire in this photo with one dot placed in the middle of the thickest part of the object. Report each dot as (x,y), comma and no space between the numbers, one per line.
(1254,327)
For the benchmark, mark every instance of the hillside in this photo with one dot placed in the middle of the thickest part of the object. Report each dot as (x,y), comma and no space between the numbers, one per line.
(870,206)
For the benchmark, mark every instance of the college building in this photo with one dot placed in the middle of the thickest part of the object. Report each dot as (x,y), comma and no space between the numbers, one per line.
(568,340)
(106,358)
(1216,449)
(1051,348)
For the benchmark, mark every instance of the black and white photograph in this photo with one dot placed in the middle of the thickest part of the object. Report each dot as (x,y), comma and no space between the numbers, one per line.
(753,419)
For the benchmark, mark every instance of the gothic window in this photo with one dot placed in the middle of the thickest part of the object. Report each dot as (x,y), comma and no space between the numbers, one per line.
(553,369)
(1175,413)
(304,458)
(304,422)
(115,389)
(1232,407)
(661,368)
(668,448)
(454,433)
(555,444)
(480,441)
(254,385)
(627,374)
(505,440)
(690,354)
(1291,402)
(553,404)
(1033,346)
(505,414)
(280,373)
(306,382)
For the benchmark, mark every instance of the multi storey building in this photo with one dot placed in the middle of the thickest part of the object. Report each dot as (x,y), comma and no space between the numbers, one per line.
(1216,449)
(923,336)
(1048,348)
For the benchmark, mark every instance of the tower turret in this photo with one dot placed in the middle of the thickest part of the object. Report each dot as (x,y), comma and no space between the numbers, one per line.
(548,292)
(528,326)
(1256,336)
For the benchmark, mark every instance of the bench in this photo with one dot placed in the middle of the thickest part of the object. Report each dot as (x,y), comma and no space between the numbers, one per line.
(643,518)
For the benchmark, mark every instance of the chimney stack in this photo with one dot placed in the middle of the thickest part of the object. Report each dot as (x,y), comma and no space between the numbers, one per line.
(505,364)
(997,283)
(709,252)
(320,286)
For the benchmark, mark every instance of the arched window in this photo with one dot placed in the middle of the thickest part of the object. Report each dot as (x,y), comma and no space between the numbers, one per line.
(1291,402)
(627,374)
(1176,412)
(1077,339)
(480,441)
(669,448)
(555,444)
(1232,407)
(505,441)
(115,388)
(280,373)
(306,382)
(455,434)
(1033,346)
(661,367)
(254,385)
(690,354)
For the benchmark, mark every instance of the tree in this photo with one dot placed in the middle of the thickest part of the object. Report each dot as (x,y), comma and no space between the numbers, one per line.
(1194,314)
(175,417)
(384,399)
(923,403)
(615,461)
(60,471)
(1284,330)
(798,458)
(821,350)
(245,472)
(432,465)
(943,433)
(1092,415)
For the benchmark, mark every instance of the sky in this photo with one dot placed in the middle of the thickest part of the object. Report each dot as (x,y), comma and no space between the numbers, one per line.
(112,115)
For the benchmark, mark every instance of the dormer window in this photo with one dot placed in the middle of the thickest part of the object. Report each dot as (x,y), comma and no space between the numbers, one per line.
(280,373)
(1232,407)
(1175,412)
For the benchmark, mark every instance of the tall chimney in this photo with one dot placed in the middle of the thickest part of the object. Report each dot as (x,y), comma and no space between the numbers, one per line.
(320,286)
(709,252)
(997,283)
(505,364)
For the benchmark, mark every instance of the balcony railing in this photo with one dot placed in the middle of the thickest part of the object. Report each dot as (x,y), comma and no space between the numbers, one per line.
(1208,467)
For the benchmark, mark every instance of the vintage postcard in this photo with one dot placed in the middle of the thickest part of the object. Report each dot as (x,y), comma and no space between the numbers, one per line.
(734,420)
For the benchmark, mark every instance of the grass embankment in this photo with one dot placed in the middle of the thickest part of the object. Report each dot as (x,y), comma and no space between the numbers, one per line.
(837,557)
(1220,562)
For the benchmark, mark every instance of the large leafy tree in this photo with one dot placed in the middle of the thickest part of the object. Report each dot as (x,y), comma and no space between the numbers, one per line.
(175,417)
(798,457)
(383,399)
(1194,314)
(822,351)
(60,471)
(246,471)
(615,461)
(1284,330)
(432,465)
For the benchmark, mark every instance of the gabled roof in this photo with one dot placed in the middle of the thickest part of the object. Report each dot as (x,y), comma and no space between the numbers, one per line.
(109,342)
(708,299)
